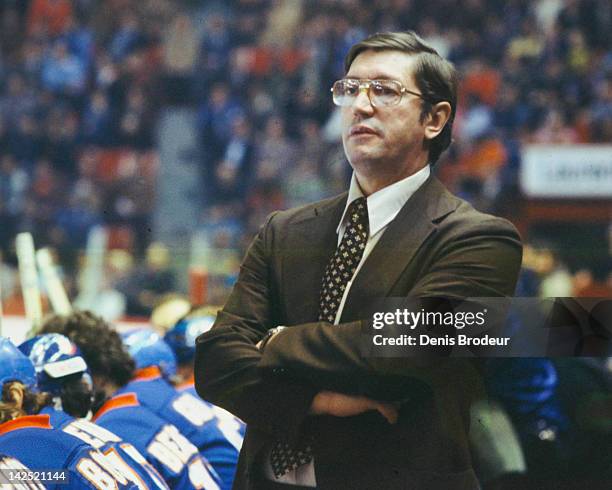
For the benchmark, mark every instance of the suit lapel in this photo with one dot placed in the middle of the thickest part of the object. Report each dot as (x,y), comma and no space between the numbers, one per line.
(310,242)
(397,247)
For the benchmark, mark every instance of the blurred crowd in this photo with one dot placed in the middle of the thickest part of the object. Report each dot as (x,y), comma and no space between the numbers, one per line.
(83,81)
(76,120)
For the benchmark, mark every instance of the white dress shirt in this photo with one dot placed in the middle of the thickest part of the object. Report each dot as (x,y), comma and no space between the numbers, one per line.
(383,206)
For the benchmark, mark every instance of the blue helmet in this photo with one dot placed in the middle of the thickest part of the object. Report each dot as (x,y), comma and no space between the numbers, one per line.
(14,366)
(147,348)
(181,338)
(54,357)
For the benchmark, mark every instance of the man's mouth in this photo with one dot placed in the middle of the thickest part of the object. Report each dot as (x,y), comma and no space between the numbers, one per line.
(362,130)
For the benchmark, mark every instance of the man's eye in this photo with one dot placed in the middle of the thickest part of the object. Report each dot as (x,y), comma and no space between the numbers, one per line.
(351,89)
(379,89)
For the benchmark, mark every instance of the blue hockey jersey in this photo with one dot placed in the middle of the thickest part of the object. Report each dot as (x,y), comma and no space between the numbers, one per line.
(218,443)
(126,459)
(160,442)
(41,447)
(232,427)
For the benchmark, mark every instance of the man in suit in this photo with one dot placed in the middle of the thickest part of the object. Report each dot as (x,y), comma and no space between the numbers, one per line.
(320,413)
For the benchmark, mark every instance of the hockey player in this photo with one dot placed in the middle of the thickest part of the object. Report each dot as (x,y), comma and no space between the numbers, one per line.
(156,364)
(58,459)
(62,372)
(181,339)
(111,368)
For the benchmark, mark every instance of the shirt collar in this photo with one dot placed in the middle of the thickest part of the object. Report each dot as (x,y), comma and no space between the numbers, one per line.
(385,204)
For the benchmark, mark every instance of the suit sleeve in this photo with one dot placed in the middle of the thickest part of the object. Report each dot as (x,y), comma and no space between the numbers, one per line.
(227,359)
(481,261)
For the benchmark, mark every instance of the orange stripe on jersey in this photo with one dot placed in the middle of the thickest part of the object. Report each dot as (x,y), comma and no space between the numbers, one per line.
(119,401)
(147,374)
(26,422)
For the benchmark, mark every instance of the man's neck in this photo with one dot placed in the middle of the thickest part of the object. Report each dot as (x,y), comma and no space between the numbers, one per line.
(369,184)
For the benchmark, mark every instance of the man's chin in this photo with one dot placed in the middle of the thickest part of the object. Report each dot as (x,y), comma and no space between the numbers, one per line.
(363,157)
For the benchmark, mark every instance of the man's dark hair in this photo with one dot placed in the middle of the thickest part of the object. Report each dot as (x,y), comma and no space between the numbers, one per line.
(435,77)
(100,344)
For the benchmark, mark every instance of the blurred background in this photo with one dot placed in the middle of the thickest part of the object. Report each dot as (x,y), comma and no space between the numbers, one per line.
(177,126)
(144,142)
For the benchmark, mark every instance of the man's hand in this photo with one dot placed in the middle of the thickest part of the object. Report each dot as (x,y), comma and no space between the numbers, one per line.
(341,405)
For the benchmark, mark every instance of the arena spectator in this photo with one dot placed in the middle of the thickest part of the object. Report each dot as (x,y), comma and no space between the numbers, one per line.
(275,151)
(556,280)
(127,37)
(145,287)
(97,119)
(25,141)
(215,47)
(234,173)
(62,72)
(49,16)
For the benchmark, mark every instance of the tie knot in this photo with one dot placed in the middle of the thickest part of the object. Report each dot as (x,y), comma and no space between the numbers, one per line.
(357,212)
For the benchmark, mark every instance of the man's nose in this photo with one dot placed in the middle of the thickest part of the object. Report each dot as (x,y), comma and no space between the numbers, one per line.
(362,101)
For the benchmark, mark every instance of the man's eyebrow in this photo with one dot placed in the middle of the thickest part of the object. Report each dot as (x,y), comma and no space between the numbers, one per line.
(375,77)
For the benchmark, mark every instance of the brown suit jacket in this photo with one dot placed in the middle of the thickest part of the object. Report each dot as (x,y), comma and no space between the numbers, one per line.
(437,246)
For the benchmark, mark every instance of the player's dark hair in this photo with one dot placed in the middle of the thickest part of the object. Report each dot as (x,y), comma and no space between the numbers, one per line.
(18,400)
(435,77)
(99,398)
(77,396)
(100,344)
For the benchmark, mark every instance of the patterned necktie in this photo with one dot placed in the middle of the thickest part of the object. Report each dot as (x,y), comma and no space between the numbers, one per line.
(339,271)
(341,267)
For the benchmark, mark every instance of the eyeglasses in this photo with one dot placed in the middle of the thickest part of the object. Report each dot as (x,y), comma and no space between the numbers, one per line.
(382,93)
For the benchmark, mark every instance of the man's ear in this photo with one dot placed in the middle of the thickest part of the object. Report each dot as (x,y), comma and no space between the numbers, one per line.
(437,119)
